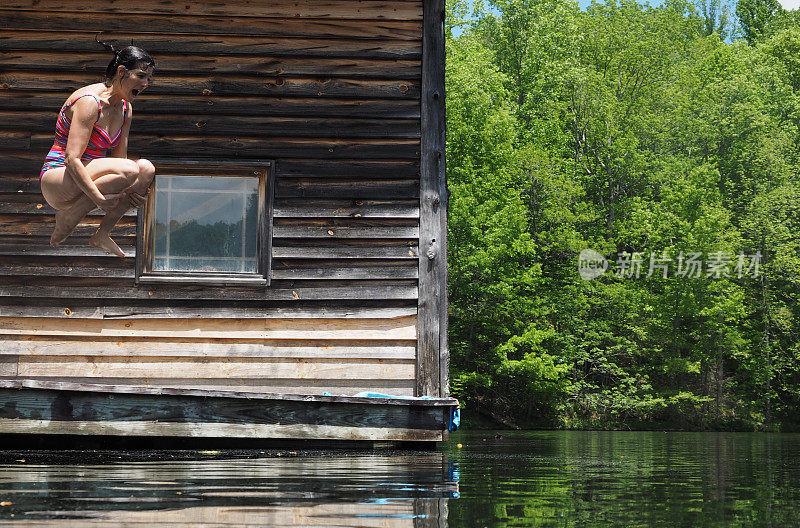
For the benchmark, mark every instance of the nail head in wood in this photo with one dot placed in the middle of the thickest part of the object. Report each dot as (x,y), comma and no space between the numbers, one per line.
(431,253)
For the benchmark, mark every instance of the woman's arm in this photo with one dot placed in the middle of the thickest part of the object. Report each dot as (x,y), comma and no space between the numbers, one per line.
(121,150)
(84,116)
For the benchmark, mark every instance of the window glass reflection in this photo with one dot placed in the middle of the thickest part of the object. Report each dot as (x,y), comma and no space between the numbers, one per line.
(206,224)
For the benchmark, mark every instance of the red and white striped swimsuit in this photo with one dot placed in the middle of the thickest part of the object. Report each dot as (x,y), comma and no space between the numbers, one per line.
(99,146)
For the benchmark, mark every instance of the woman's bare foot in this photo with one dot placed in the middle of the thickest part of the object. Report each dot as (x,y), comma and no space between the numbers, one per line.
(66,220)
(103,241)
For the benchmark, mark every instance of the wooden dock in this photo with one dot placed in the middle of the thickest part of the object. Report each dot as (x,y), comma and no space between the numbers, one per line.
(46,407)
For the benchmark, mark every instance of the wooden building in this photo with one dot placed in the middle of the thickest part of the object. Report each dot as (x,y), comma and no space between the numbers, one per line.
(325,120)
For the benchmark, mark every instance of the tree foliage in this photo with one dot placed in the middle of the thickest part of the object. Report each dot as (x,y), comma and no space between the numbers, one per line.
(758,18)
(639,133)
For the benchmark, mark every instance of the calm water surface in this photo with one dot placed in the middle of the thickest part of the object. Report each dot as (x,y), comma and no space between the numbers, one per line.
(492,479)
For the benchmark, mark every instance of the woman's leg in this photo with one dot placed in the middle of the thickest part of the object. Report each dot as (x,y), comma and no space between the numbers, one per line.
(102,238)
(111,175)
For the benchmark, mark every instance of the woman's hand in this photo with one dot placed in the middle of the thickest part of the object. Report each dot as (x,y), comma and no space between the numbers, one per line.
(137,200)
(129,198)
(110,202)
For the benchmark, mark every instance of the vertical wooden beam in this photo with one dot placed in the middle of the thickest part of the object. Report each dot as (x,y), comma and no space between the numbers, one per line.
(265,226)
(432,349)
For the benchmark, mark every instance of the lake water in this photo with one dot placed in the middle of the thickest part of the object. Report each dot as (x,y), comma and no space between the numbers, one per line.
(477,479)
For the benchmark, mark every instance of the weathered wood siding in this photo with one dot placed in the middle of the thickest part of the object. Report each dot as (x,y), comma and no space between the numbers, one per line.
(330,90)
(269,355)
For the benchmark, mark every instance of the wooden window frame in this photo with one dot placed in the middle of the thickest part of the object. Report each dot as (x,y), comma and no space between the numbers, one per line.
(145,241)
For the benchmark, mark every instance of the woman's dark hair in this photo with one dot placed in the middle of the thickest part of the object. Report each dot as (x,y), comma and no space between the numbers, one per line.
(129,57)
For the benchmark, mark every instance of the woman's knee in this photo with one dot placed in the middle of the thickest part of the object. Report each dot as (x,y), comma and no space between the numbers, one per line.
(129,170)
(146,169)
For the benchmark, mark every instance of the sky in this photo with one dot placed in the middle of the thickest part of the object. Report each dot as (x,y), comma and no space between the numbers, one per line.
(787,4)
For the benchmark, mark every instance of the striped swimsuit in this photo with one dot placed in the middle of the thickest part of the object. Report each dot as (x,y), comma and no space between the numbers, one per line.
(99,143)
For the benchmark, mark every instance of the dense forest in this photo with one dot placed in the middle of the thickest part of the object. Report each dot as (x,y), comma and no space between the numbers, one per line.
(663,139)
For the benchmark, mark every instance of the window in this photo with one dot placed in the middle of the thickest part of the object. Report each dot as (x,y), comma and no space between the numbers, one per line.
(206,223)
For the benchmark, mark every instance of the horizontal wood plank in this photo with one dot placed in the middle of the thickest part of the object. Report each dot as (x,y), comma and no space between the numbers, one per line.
(280,271)
(84,309)
(22,168)
(229,105)
(320,208)
(357,192)
(196,368)
(355,189)
(213,25)
(352,169)
(44,122)
(227,45)
(246,387)
(186,287)
(239,146)
(106,347)
(357,9)
(397,291)
(38,225)
(261,66)
(80,248)
(156,428)
(11,140)
(72,248)
(333,273)
(225,85)
(403,328)
(333,232)
(26,179)
(33,205)
(22,270)
(24,402)
(94,387)
(324,252)
(95,402)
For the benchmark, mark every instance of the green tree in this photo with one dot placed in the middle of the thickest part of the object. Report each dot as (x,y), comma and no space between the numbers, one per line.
(758,17)
(715,17)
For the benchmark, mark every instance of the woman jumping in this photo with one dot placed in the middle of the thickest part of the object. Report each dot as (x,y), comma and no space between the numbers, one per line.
(88,167)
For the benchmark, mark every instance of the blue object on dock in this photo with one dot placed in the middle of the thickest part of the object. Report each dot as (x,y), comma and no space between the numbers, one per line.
(455,412)
(455,419)
(367,394)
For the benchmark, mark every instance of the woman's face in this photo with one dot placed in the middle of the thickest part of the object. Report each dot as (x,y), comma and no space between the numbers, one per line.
(133,82)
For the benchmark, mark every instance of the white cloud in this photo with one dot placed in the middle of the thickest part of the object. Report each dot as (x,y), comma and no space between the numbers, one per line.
(790,4)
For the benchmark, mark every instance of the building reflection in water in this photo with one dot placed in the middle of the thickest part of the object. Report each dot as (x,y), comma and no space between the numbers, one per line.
(280,489)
